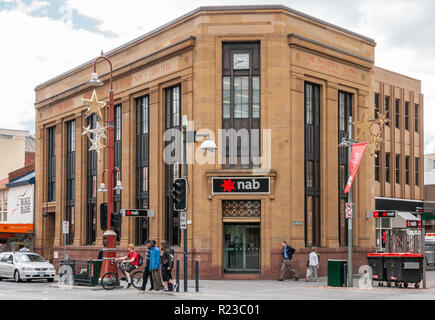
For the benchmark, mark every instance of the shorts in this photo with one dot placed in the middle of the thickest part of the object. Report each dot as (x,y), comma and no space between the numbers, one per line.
(166,274)
(128,267)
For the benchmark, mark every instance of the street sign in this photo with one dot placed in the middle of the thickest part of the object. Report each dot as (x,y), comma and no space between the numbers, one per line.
(137,213)
(65,227)
(349,210)
(183,220)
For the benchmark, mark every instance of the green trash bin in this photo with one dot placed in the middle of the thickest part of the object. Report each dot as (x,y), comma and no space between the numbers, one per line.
(92,274)
(337,273)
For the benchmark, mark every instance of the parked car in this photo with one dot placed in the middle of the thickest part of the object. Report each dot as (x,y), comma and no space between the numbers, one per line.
(25,266)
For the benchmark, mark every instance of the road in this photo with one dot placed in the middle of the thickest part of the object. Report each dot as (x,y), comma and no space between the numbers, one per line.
(219,290)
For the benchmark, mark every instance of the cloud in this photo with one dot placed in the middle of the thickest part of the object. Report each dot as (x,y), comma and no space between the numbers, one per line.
(50,38)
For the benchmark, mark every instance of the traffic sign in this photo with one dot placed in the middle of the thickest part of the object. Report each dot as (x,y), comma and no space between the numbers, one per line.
(183,220)
(137,213)
(65,227)
(349,210)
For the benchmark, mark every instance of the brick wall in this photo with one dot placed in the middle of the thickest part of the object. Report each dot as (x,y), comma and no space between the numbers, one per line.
(22,171)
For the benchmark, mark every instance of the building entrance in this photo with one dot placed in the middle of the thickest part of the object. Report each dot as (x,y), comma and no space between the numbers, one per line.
(242,248)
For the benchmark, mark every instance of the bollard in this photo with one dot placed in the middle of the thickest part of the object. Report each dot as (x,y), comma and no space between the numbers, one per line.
(178,276)
(196,276)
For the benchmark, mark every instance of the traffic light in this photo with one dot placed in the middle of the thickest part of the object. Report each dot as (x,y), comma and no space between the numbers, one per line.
(116,222)
(179,194)
(103,216)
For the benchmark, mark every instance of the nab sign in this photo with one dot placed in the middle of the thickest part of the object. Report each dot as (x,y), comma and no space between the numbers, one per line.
(260,185)
(137,213)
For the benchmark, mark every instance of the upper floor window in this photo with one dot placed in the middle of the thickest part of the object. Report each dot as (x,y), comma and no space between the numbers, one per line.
(397,168)
(417,171)
(377,155)
(407,169)
(416,117)
(398,113)
(406,115)
(376,105)
(51,192)
(241,104)
(387,109)
(387,167)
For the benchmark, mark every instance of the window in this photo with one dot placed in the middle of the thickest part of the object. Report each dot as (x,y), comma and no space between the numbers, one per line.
(241,104)
(51,191)
(172,171)
(117,162)
(377,158)
(407,169)
(387,167)
(416,117)
(397,168)
(312,164)
(398,113)
(417,171)
(376,105)
(91,186)
(3,206)
(406,115)
(70,179)
(142,167)
(344,113)
(387,109)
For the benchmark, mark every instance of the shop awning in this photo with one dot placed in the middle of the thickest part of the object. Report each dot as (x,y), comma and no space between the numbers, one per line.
(24,180)
(16,227)
(400,222)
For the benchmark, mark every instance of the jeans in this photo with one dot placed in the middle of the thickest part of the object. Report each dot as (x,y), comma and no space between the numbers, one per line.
(146,275)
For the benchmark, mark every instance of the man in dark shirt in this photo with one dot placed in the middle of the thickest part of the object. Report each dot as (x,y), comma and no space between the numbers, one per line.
(287,254)
(146,271)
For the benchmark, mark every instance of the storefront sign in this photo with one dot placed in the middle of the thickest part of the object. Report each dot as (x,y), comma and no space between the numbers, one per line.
(259,185)
(413,224)
(20,204)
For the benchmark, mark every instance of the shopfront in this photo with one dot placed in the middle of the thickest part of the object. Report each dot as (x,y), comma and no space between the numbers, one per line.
(17,231)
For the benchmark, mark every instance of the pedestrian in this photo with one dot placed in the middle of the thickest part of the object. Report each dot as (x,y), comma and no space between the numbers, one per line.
(313,265)
(167,259)
(155,268)
(101,253)
(146,271)
(287,253)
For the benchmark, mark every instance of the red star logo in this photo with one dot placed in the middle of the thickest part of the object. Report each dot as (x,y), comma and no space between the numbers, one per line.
(228,185)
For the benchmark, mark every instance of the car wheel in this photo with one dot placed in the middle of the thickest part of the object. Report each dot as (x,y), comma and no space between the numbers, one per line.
(17,277)
(50,280)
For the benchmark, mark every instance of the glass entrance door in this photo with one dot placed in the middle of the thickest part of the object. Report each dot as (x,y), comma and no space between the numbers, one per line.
(241,248)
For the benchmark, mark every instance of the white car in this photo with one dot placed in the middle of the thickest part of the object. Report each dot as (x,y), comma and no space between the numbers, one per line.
(25,266)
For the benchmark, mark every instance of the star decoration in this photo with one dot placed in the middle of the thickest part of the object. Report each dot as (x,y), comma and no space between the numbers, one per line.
(363,127)
(382,119)
(96,145)
(376,139)
(87,130)
(99,131)
(94,105)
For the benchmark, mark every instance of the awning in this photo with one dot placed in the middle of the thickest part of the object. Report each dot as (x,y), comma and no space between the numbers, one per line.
(16,227)
(24,180)
(401,221)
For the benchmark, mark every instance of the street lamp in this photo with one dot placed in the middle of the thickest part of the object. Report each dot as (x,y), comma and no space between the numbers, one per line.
(208,146)
(348,143)
(109,236)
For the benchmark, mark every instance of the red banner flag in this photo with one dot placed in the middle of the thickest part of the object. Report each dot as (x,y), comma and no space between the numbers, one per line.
(354,162)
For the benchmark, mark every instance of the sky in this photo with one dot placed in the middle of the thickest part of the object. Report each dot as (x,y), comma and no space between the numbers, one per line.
(42,39)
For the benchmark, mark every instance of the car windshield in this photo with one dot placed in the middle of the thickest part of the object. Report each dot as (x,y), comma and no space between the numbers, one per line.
(29,258)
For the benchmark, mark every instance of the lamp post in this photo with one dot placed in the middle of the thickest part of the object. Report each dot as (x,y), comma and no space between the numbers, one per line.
(208,146)
(109,236)
(347,143)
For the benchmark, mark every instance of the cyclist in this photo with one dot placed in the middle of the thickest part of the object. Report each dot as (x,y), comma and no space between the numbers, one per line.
(131,261)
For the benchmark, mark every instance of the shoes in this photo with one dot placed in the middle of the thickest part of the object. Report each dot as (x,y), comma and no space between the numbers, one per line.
(306,278)
(174,288)
(280,279)
(129,285)
(150,289)
(297,278)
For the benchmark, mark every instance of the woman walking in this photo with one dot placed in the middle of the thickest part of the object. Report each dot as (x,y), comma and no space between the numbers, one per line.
(166,268)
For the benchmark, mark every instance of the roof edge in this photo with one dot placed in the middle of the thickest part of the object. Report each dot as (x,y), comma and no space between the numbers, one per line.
(207,9)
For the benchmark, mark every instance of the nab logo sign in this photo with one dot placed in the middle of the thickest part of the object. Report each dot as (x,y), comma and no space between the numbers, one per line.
(241,185)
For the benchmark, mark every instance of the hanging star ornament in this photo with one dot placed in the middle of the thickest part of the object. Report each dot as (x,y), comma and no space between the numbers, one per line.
(382,119)
(363,127)
(87,130)
(96,145)
(94,105)
(99,131)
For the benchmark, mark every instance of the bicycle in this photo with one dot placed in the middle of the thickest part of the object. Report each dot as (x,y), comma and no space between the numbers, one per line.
(110,280)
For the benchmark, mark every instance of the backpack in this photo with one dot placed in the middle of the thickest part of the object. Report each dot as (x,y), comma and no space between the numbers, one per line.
(140,262)
(171,264)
